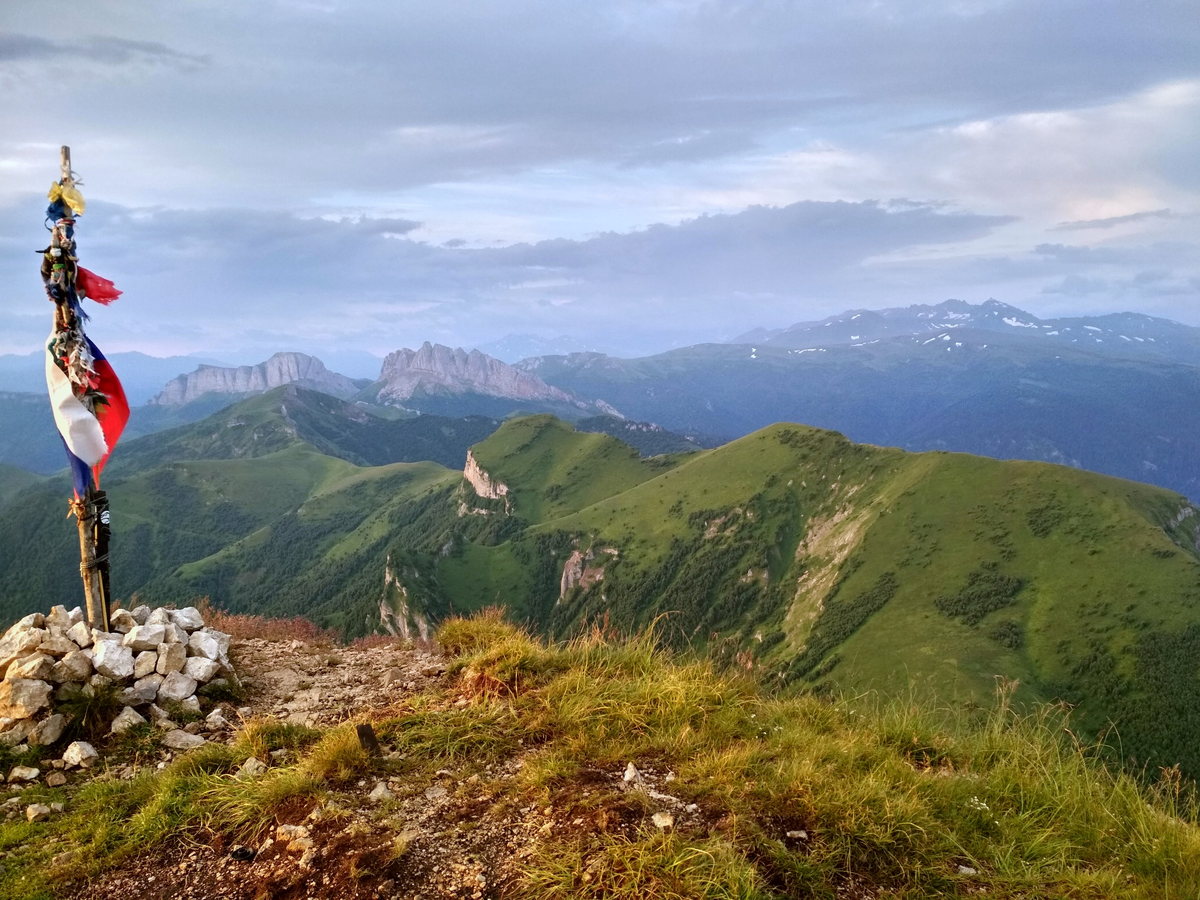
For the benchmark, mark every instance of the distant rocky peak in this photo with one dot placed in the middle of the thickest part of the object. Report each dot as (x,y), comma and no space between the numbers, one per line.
(437,369)
(282,368)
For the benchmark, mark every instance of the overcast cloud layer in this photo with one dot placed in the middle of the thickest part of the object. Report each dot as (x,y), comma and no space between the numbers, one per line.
(365,175)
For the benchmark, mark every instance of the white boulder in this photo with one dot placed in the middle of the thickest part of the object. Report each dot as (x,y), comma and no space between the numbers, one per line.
(188,618)
(80,634)
(22,698)
(19,732)
(122,621)
(203,644)
(57,645)
(181,740)
(175,634)
(126,720)
(25,623)
(171,658)
(177,687)
(145,637)
(145,663)
(16,644)
(48,731)
(140,614)
(81,754)
(59,617)
(145,690)
(76,666)
(158,617)
(203,670)
(37,666)
(113,659)
(23,773)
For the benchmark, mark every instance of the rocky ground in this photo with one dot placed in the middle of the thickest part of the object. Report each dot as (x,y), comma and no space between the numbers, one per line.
(460,835)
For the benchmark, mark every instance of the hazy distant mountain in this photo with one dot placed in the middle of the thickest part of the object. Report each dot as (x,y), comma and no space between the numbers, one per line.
(1115,394)
(1119,335)
(448,381)
(514,347)
(282,368)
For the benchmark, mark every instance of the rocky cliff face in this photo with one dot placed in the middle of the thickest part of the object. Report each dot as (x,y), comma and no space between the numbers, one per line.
(436,369)
(282,368)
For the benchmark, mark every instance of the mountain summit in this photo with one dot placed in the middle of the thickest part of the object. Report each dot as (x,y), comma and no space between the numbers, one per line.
(437,369)
(282,368)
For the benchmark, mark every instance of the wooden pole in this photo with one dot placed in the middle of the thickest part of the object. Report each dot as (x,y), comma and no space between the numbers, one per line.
(90,509)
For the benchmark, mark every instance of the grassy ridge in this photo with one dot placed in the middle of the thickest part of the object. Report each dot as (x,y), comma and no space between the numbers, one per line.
(794,796)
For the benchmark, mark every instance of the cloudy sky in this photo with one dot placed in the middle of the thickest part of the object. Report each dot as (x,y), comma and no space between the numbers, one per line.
(342,175)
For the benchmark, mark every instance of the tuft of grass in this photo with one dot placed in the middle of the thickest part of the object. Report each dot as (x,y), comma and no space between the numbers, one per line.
(90,711)
(648,867)
(460,636)
(259,737)
(337,757)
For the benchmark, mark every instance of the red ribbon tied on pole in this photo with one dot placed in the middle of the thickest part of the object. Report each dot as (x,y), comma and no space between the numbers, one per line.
(92,286)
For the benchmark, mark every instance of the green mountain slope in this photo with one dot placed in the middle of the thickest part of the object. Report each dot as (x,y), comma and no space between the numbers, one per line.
(821,562)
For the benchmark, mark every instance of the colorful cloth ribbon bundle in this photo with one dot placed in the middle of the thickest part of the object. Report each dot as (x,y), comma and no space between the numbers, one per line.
(86,396)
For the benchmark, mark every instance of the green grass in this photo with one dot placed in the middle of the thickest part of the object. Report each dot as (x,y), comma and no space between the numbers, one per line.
(893,796)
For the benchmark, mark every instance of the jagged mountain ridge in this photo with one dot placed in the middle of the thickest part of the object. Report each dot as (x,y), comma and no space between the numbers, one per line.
(436,374)
(282,368)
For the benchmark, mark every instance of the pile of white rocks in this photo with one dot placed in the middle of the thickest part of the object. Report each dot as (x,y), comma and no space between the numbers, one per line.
(160,656)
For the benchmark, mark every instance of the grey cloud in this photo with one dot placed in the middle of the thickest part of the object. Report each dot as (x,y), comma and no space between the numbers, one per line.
(95,48)
(1113,221)
(234,277)
(379,95)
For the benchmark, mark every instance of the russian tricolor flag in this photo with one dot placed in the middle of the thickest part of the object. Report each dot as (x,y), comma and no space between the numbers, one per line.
(89,437)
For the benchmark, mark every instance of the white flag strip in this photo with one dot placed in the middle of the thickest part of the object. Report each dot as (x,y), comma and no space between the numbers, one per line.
(79,428)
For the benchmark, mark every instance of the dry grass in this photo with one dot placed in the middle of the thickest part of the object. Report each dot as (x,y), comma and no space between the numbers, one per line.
(244,627)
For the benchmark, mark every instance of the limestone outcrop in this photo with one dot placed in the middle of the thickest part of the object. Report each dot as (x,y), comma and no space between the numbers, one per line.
(282,368)
(437,369)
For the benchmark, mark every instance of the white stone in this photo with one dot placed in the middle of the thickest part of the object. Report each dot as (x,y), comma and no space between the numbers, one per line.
(140,614)
(18,732)
(146,689)
(81,754)
(22,698)
(37,812)
(122,621)
(158,617)
(126,720)
(37,666)
(113,659)
(75,666)
(145,663)
(80,634)
(203,644)
(203,670)
(171,658)
(223,640)
(181,740)
(98,680)
(157,713)
(663,820)
(380,793)
(23,773)
(251,768)
(145,637)
(190,704)
(59,617)
(48,731)
(57,645)
(17,644)
(175,634)
(177,687)
(188,618)
(25,623)
(76,615)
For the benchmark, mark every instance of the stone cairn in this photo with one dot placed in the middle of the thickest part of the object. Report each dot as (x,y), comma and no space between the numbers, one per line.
(160,656)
